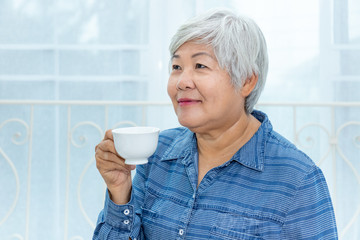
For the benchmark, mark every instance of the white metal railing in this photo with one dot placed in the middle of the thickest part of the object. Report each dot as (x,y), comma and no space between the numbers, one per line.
(91,47)
(333,155)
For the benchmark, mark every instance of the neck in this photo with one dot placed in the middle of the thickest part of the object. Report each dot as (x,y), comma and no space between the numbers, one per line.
(225,142)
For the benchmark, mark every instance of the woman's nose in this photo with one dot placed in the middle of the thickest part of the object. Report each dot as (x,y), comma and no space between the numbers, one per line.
(185,81)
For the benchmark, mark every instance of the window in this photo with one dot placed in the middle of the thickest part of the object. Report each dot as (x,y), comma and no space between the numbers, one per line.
(117,50)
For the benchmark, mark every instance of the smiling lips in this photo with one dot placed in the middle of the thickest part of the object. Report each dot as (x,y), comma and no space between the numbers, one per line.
(187,101)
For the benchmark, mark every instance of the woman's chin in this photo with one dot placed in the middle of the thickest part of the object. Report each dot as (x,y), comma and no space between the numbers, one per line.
(188,122)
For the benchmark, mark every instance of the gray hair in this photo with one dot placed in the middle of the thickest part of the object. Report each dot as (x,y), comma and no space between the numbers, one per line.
(238,44)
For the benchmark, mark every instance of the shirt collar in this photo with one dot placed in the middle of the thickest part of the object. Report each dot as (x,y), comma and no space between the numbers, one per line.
(250,155)
(183,144)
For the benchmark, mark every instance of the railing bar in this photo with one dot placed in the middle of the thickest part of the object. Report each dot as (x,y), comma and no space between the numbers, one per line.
(150,103)
(143,117)
(86,103)
(28,181)
(311,104)
(333,153)
(64,78)
(67,172)
(16,175)
(57,129)
(76,47)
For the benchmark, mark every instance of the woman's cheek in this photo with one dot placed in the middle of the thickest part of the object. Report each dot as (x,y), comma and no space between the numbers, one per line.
(171,87)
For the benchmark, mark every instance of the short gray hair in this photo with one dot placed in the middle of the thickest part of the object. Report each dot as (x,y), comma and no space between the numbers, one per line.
(238,44)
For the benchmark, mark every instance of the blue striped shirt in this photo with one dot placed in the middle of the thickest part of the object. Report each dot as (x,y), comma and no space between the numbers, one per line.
(268,190)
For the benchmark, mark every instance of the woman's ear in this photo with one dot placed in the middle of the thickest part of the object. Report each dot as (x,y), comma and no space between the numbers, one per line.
(249,85)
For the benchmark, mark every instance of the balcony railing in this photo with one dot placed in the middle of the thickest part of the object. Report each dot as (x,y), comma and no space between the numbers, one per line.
(50,188)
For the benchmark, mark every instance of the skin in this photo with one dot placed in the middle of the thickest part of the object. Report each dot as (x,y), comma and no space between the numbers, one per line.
(206,102)
(114,171)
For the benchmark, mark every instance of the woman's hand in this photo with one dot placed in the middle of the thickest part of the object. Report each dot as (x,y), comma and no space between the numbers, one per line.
(114,171)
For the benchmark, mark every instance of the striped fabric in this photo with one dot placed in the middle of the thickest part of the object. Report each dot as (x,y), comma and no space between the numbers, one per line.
(268,190)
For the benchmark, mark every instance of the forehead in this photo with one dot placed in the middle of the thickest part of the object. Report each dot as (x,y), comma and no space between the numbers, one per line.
(194,49)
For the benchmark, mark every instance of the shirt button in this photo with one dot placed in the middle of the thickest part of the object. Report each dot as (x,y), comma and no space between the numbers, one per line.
(126,222)
(126,211)
(181,232)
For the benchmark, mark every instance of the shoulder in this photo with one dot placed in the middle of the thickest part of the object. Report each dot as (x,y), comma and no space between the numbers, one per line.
(279,153)
(282,153)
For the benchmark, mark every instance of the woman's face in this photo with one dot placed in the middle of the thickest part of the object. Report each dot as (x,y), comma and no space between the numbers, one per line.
(201,92)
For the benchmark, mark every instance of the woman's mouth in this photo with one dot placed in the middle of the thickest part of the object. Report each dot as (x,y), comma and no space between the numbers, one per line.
(187,101)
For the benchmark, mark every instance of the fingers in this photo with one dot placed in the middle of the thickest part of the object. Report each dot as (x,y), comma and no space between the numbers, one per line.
(112,167)
(108,156)
(105,150)
(109,162)
(105,153)
(109,135)
(106,146)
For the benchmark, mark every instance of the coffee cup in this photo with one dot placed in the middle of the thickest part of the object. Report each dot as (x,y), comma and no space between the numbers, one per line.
(136,144)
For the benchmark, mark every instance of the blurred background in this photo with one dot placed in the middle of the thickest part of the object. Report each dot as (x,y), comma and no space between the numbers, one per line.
(70,69)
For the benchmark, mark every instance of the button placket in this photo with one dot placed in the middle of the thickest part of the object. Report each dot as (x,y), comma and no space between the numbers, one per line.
(126,212)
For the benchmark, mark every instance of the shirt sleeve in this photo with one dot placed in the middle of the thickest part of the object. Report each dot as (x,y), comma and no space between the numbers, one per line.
(311,214)
(118,222)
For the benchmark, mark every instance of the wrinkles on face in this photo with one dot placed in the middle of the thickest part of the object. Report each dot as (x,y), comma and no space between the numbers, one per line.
(200,90)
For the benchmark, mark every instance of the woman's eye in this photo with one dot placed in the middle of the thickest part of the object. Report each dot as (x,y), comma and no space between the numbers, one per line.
(198,65)
(176,67)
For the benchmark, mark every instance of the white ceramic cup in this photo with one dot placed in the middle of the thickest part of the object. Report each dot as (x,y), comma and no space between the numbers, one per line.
(136,144)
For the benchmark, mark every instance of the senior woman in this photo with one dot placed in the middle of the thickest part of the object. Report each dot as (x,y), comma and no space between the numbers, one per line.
(226,174)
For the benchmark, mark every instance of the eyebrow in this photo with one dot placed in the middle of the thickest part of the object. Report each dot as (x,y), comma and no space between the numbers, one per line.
(194,55)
